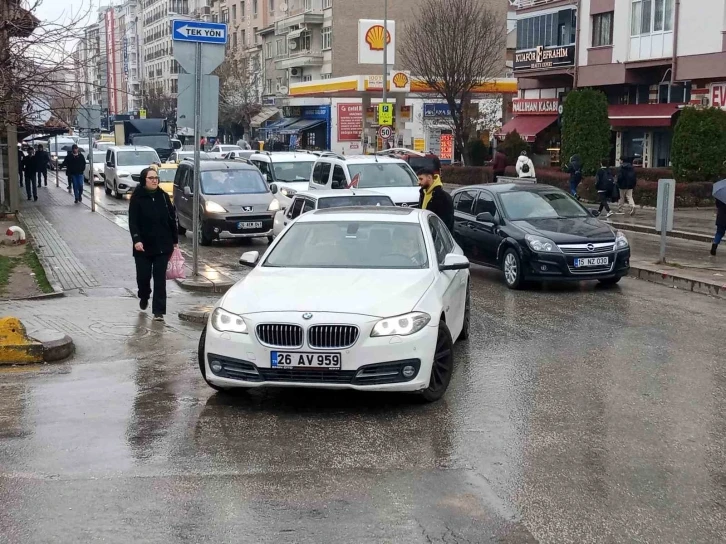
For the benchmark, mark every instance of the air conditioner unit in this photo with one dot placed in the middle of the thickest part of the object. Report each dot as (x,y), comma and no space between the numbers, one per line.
(295,72)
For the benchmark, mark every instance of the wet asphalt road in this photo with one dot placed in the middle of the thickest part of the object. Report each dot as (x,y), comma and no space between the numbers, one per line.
(576,414)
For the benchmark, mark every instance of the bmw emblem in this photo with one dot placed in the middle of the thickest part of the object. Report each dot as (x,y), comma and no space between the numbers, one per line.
(590,247)
(307,315)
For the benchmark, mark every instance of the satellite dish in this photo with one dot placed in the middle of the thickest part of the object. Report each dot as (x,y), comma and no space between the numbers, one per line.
(283,8)
(292,45)
(283,89)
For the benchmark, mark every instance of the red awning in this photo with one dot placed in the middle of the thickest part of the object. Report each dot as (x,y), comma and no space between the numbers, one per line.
(642,115)
(527,126)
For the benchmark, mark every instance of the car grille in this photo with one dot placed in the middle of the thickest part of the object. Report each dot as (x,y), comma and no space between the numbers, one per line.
(587,249)
(277,335)
(135,177)
(408,205)
(307,375)
(332,336)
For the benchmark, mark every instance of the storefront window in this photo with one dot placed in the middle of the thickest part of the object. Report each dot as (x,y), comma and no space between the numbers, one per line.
(633,141)
(662,149)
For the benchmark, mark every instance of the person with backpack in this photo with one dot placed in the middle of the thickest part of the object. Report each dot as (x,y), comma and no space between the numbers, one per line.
(575,171)
(626,183)
(604,185)
(525,166)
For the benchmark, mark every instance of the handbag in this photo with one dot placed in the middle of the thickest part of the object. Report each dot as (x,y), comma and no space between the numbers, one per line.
(175,268)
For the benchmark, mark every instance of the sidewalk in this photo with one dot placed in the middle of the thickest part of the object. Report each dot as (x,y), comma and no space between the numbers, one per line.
(696,224)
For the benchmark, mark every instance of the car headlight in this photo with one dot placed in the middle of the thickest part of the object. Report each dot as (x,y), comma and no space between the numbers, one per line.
(274,205)
(224,321)
(621,242)
(289,193)
(123,174)
(402,325)
(541,244)
(213,207)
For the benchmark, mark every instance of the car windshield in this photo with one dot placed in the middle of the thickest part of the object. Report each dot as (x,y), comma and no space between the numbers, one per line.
(61,147)
(166,174)
(293,171)
(156,141)
(233,182)
(358,200)
(136,158)
(102,146)
(541,205)
(383,175)
(350,244)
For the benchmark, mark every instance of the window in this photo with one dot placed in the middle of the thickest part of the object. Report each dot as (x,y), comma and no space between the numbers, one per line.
(442,239)
(272,6)
(485,203)
(327,37)
(307,78)
(306,39)
(234,40)
(339,181)
(547,30)
(321,173)
(296,208)
(464,201)
(244,38)
(242,9)
(269,50)
(308,206)
(254,8)
(234,13)
(327,4)
(281,47)
(602,29)
(326,76)
(268,86)
(648,16)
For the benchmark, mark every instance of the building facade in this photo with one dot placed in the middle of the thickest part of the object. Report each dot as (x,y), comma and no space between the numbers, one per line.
(650,57)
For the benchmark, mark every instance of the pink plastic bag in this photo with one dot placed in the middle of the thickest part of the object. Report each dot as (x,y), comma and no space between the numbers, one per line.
(175,268)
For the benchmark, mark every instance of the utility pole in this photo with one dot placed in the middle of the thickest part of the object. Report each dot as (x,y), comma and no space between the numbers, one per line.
(385,50)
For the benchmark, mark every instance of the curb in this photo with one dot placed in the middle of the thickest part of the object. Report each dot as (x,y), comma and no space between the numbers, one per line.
(56,345)
(684,235)
(49,274)
(671,277)
(18,347)
(196,314)
(205,285)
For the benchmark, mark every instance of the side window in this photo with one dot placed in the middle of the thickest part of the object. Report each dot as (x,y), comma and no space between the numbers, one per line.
(108,156)
(464,202)
(296,208)
(308,206)
(178,177)
(264,167)
(442,239)
(339,181)
(485,203)
(318,173)
(325,173)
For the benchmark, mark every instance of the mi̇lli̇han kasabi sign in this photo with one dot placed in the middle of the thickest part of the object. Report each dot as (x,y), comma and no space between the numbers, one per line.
(545,57)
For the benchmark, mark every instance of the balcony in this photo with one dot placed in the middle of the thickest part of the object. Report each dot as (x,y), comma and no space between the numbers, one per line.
(300,59)
(523,4)
(310,12)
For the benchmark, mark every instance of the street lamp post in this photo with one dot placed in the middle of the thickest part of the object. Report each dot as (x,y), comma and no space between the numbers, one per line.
(385,49)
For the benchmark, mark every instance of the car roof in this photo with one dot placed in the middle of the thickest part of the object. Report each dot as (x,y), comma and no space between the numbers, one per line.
(132,148)
(208,165)
(367,159)
(508,187)
(287,156)
(331,193)
(364,213)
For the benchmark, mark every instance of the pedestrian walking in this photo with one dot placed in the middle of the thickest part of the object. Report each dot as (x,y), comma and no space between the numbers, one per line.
(575,171)
(68,176)
(499,165)
(21,164)
(30,169)
(525,166)
(720,225)
(605,185)
(626,183)
(153,227)
(75,164)
(43,161)
(433,197)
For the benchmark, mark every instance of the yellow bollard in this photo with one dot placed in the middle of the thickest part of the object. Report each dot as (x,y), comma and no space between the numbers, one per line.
(16,347)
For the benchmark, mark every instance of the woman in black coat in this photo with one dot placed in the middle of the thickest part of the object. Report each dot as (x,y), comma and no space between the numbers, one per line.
(720,225)
(152,223)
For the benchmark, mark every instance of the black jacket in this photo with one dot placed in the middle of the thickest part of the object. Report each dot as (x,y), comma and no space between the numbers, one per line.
(575,170)
(626,177)
(720,214)
(441,204)
(30,165)
(42,160)
(152,221)
(75,164)
(604,182)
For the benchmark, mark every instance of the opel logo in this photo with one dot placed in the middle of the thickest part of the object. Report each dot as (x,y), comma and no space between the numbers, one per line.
(404,205)
(590,247)
(307,316)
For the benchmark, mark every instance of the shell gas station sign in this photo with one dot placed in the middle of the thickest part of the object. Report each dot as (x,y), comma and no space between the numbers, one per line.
(372,38)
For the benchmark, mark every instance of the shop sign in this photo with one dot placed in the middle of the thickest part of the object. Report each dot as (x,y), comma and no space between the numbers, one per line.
(372,38)
(447,147)
(419,144)
(398,82)
(718,95)
(406,113)
(306,112)
(350,122)
(535,106)
(436,110)
(545,57)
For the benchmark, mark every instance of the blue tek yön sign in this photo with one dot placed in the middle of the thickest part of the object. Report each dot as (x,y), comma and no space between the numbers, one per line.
(198,31)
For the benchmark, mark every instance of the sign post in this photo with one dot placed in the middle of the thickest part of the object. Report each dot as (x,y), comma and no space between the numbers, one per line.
(664,212)
(89,118)
(199,47)
(385,114)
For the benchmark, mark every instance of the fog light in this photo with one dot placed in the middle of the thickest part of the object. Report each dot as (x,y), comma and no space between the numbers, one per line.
(408,371)
(216,230)
(216,366)
(543,268)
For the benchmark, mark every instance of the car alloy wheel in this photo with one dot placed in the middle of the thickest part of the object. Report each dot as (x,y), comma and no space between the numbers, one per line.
(200,358)
(512,269)
(443,366)
(115,191)
(203,238)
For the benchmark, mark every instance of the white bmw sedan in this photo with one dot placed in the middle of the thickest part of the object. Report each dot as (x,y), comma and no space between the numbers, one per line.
(375,298)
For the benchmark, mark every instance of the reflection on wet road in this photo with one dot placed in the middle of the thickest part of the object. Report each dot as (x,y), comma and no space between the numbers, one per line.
(576,414)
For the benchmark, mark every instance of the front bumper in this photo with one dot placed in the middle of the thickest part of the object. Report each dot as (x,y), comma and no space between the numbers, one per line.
(371,364)
(224,227)
(561,267)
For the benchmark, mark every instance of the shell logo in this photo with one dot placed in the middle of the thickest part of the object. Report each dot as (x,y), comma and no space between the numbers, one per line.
(374,37)
(400,80)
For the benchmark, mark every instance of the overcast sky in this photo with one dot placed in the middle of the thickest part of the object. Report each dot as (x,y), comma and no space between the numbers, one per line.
(60,11)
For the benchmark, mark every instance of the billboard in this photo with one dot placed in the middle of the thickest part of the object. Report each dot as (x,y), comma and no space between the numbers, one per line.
(350,122)
(543,57)
(371,40)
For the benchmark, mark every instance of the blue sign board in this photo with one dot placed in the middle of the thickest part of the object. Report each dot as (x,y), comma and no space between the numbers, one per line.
(436,110)
(199,31)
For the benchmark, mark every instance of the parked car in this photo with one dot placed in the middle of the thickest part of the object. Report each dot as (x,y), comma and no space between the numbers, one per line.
(235,201)
(290,171)
(177,156)
(537,233)
(347,328)
(220,150)
(167,173)
(415,159)
(240,154)
(307,201)
(392,177)
(123,167)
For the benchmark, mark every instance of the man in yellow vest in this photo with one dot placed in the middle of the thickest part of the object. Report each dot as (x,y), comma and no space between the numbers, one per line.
(433,197)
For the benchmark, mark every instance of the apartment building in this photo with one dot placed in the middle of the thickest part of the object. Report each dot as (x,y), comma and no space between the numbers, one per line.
(650,57)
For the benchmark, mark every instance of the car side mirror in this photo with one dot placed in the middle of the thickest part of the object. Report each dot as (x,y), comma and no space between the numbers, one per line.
(486,217)
(250,258)
(187,191)
(273,188)
(454,261)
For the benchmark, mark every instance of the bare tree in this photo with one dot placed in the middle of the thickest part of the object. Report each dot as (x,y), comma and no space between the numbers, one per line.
(455,46)
(238,94)
(158,104)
